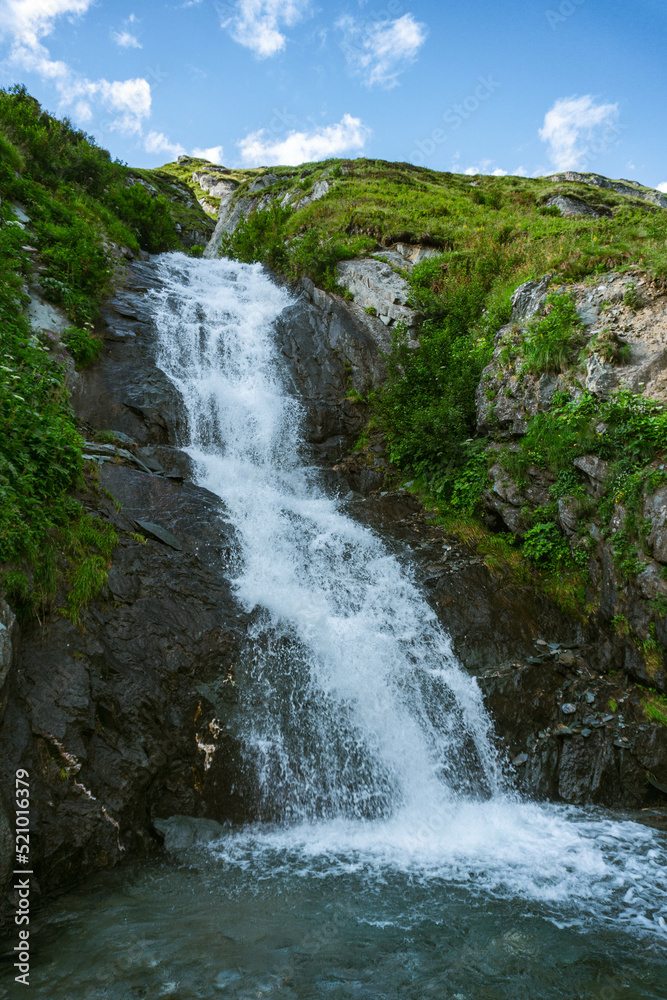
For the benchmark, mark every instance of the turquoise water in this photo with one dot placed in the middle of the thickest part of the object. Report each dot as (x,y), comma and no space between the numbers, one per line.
(356,913)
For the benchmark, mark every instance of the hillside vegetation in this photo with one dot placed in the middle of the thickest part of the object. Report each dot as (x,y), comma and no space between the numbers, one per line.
(493,233)
(68,214)
(488,235)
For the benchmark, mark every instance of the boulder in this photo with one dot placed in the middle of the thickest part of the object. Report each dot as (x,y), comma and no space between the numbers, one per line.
(376,286)
(183,832)
(318,190)
(655,512)
(529,298)
(595,469)
(262,182)
(571,207)
(215,185)
(602,378)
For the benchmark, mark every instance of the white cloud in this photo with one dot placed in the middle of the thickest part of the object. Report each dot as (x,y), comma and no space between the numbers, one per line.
(157,142)
(484,167)
(378,51)
(257,24)
(131,98)
(126,38)
(213,154)
(25,23)
(576,128)
(303,147)
(662,187)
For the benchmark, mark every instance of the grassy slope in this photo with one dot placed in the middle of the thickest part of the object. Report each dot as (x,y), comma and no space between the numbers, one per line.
(79,203)
(398,202)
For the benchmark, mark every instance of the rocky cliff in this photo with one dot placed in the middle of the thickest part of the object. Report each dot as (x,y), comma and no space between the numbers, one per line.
(621,344)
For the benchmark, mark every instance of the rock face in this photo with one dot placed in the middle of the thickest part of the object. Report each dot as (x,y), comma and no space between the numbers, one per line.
(332,348)
(113,719)
(631,188)
(9,642)
(127,392)
(566,743)
(564,708)
(260,196)
(378,289)
(626,310)
(506,395)
(109,719)
(571,208)
(214,184)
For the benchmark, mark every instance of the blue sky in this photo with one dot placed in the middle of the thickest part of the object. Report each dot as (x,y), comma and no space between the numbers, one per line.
(524,86)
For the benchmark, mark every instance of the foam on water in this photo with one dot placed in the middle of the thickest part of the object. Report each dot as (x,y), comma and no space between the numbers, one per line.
(363,726)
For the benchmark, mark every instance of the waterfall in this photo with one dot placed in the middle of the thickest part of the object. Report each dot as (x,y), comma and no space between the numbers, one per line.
(371,747)
(358,704)
(388,859)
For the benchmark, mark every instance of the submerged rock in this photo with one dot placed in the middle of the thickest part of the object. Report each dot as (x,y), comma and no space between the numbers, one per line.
(182,832)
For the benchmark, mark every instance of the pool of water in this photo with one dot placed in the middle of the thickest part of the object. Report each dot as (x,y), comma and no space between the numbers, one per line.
(504,901)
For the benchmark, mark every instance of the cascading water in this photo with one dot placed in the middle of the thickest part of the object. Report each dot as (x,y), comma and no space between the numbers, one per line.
(395,863)
(364,709)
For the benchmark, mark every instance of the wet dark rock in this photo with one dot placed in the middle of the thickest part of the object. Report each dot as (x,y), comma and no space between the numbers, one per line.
(108,718)
(111,717)
(127,392)
(606,761)
(332,349)
(160,534)
(182,832)
(497,629)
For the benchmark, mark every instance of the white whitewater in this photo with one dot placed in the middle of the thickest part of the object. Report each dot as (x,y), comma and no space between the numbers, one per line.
(370,742)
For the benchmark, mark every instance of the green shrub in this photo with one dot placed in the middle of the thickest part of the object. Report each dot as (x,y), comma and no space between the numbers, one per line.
(610,348)
(10,156)
(549,343)
(148,216)
(83,347)
(261,238)
(545,545)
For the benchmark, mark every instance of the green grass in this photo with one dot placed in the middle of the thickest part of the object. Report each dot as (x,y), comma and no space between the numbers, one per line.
(550,343)
(78,200)
(655,706)
(502,218)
